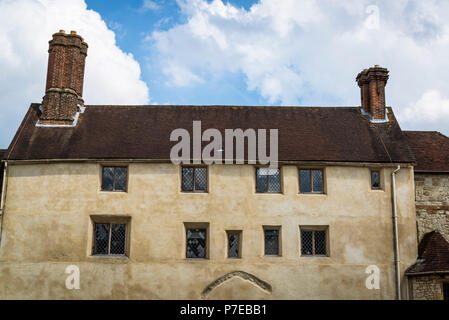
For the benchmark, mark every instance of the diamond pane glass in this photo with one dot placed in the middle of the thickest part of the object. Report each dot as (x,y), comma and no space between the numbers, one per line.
(261,180)
(306,242)
(320,242)
(187,179)
(233,241)
(272,242)
(101,238)
(304,181)
(200,179)
(118,236)
(107,179)
(196,243)
(375,184)
(120,179)
(317,178)
(274,180)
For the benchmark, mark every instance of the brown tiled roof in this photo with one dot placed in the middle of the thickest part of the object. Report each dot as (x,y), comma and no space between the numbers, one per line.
(433,255)
(431,150)
(142,132)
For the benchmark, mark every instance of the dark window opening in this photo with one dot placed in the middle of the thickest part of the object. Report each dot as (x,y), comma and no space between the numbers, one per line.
(375,179)
(311,181)
(109,239)
(313,242)
(268,180)
(196,243)
(446,291)
(234,238)
(271,242)
(194,179)
(114,179)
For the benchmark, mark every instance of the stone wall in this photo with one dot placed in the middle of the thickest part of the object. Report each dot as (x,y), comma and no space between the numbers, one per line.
(428,287)
(432,203)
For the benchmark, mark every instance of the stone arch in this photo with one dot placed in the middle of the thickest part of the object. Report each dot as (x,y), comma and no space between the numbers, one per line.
(264,286)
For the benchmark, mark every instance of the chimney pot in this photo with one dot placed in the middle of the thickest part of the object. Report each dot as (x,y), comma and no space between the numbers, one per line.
(65,76)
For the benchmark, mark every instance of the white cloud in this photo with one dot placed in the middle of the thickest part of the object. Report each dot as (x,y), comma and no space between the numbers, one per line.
(112,76)
(309,52)
(149,5)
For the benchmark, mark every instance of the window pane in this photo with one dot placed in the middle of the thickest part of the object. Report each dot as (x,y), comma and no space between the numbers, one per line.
(120,179)
(187,179)
(107,179)
(118,236)
(261,180)
(101,235)
(304,180)
(196,243)
(320,242)
(274,180)
(317,176)
(233,248)
(375,180)
(306,242)
(272,242)
(201,179)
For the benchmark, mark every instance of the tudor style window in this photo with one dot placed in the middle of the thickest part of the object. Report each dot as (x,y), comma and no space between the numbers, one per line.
(110,237)
(314,241)
(197,240)
(194,179)
(272,240)
(375,179)
(268,180)
(311,181)
(114,179)
(234,243)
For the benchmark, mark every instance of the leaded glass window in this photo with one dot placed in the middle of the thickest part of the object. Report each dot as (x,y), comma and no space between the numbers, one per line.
(311,181)
(446,290)
(109,239)
(114,179)
(314,242)
(268,180)
(196,243)
(234,238)
(375,179)
(271,242)
(194,179)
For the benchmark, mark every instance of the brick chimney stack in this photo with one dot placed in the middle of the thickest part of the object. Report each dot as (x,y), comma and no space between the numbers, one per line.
(65,77)
(372,84)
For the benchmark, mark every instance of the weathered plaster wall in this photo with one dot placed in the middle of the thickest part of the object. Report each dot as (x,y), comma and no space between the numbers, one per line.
(47,226)
(432,203)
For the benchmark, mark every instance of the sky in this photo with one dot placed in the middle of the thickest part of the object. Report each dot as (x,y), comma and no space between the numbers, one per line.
(233,52)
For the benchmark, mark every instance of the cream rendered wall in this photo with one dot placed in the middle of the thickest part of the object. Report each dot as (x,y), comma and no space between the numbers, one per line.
(47,226)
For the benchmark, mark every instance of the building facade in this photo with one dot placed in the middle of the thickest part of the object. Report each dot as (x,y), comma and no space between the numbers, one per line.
(93,189)
(429,276)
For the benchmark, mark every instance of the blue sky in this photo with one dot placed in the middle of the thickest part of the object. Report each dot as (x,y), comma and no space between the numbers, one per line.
(260,52)
(132,21)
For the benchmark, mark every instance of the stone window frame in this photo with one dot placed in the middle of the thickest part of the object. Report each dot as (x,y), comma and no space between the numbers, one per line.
(240,235)
(273,227)
(315,228)
(197,225)
(111,220)
(281,180)
(323,181)
(195,167)
(102,166)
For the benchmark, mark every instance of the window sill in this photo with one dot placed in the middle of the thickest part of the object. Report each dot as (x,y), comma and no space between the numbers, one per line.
(312,194)
(271,256)
(109,258)
(377,190)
